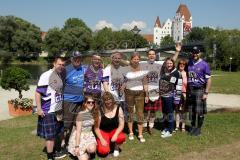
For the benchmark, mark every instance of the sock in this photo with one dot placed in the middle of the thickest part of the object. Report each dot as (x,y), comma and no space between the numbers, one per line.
(193,123)
(50,155)
(145,124)
(200,121)
(151,125)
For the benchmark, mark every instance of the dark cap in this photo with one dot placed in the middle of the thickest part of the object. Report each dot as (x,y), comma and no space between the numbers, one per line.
(76,54)
(195,50)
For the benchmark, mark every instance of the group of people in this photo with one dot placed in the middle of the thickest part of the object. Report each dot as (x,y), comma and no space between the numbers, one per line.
(88,105)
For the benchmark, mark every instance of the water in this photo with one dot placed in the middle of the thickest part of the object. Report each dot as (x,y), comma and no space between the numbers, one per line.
(35,70)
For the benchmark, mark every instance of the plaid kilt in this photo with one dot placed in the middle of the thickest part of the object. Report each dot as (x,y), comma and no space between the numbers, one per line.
(48,126)
(195,103)
(153,106)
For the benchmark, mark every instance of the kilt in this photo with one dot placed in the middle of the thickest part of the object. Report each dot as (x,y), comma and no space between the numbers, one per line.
(153,106)
(195,103)
(48,127)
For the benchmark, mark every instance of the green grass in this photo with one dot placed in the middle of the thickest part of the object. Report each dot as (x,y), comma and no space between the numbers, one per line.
(17,142)
(225,82)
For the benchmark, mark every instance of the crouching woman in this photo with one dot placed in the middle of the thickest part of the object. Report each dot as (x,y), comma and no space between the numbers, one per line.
(110,126)
(82,141)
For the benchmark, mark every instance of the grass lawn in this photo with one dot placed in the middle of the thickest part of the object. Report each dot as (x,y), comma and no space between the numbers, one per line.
(225,82)
(17,142)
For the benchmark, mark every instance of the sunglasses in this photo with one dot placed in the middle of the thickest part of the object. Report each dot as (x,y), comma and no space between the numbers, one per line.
(90,102)
(182,63)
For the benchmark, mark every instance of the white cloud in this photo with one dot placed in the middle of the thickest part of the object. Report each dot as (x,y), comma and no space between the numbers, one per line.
(129,26)
(103,23)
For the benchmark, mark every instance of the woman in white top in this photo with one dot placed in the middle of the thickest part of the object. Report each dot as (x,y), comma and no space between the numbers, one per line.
(136,90)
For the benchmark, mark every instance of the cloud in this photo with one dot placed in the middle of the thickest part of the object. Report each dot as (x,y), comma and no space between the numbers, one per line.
(129,26)
(103,23)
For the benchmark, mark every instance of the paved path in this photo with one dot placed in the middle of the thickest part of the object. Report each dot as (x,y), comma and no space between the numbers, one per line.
(215,101)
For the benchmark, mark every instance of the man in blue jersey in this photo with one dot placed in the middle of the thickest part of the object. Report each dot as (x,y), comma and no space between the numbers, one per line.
(73,92)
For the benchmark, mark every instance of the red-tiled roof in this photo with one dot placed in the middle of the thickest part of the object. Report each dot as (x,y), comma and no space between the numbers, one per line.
(157,23)
(148,37)
(183,10)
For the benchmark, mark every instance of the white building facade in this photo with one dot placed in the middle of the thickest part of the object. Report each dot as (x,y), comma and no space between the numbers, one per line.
(177,28)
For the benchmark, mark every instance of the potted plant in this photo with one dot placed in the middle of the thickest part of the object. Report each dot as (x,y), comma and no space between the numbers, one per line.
(17,78)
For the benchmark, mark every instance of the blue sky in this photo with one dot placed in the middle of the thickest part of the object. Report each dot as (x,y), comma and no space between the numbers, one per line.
(120,14)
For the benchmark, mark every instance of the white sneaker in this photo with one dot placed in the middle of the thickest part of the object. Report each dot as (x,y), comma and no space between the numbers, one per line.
(141,139)
(131,136)
(167,134)
(163,132)
(115,153)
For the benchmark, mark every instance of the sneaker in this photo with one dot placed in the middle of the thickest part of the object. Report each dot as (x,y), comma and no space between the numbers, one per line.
(141,139)
(61,154)
(163,132)
(131,136)
(115,153)
(167,134)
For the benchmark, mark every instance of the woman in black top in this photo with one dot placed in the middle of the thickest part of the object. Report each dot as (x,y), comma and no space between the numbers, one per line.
(109,127)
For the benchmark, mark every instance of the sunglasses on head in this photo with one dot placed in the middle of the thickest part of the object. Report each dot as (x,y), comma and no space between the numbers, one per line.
(90,102)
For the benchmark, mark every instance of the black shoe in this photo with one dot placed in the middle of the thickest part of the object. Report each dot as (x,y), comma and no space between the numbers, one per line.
(197,132)
(191,132)
(61,154)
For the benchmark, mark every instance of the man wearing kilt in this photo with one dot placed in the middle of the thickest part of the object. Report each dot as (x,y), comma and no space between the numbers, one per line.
(49,97)
(199,83)
(154,104)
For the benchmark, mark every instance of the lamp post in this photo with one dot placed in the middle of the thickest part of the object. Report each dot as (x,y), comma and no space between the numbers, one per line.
(135,31)
(230,66)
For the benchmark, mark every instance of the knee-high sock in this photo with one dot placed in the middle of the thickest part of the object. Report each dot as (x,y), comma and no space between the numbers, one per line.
(193,123)
(200,121)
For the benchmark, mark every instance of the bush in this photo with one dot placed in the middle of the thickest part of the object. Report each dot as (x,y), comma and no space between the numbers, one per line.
(15,78)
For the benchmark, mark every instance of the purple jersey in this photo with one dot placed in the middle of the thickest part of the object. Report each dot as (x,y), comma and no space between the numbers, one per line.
(198,73)
(93,80)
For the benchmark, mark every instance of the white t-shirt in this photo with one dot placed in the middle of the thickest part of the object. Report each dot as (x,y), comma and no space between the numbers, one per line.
(114,77)
(134,80)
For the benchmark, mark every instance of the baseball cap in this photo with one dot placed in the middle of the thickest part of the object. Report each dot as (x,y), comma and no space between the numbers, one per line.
(76,54)
(195,50)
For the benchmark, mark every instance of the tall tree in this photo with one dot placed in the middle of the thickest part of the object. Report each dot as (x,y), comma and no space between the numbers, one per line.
(53,42)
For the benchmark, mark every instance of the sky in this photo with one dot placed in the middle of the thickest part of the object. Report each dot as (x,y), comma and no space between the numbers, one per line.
(119,14)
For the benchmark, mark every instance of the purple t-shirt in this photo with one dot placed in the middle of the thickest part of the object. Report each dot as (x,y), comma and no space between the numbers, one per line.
(93,80)
(198,73)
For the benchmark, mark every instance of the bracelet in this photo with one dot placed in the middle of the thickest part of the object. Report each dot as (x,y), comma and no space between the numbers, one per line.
(76,146)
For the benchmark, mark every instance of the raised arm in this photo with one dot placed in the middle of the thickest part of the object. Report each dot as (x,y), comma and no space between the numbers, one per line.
(178,48)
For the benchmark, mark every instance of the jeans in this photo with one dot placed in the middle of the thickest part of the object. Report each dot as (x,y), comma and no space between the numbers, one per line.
(168,116)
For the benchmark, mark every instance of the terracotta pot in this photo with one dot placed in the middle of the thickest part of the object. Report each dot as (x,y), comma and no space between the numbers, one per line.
(18,111)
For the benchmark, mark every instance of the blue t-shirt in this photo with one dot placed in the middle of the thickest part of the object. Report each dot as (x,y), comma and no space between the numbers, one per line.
(74,83)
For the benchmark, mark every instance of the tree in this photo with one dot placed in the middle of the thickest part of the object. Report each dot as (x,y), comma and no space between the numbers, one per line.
(15,78)
(103,39)
(53,42)
(19,36)
(77,38)
(167,41)
(75,22)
